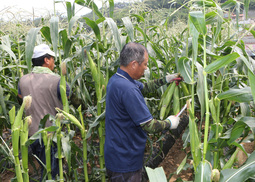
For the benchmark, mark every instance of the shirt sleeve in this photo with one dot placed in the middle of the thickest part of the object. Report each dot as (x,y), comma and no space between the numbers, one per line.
(152,85)
(136,107)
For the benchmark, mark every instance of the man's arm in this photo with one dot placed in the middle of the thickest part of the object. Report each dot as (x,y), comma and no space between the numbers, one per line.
(152,85)
(156,126)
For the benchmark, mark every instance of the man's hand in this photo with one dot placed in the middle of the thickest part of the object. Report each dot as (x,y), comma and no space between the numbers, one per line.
(174,77)
(174,120)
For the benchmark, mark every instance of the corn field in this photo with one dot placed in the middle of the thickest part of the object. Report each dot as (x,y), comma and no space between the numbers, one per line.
(207,50)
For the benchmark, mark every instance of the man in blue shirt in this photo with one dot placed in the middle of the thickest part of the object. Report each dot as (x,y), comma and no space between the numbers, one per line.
(128,118)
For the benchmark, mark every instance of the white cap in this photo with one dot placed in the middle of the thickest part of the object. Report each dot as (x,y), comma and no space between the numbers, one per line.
(41,50)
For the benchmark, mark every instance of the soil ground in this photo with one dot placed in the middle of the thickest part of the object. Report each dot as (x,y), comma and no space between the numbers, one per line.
(173,160)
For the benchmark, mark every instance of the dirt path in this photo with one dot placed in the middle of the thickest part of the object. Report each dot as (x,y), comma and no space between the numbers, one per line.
(172,161)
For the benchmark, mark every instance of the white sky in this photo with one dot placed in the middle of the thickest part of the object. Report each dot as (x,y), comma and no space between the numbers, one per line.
(22,9)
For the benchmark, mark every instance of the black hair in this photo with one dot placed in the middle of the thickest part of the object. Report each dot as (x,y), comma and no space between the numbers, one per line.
(132,51)
(40,60)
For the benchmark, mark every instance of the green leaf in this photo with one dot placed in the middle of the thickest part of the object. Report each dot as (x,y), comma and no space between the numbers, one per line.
(201,88)
(221,62)
(111,7)
(249,121)
(185,69)
(179,169)
(2,103)
(246,8)
(69,11)
(71,23)
(139,17)
(90,4)
(236,132)
(54,33)
(241,174)
(30,44)
(115,32)
(203,172)
(238,95)
(228,4)
(129,27)
(251,77)
(156,175)
(198,19)
(94,27)
(46,33)
(9,51)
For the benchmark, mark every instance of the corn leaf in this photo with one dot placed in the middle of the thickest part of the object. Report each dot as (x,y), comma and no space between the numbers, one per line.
(115,32)
(54,33)
(203,172)
(201,88)
(198,19)
(71,24)
(194,140)
(238,95)
(246,8)
(46,33)
(90,4)
(111,7)
(179,169)
(129,27)
(156,175)
(249,121)
(228,4)
(251,77)
(241,174)
(30,44)
(9,51)
(221,62)
(2,101)
(70,11)
(236,131)
(94,27)
(185,69)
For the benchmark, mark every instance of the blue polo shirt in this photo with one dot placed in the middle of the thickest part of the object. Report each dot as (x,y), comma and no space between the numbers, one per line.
(125,111)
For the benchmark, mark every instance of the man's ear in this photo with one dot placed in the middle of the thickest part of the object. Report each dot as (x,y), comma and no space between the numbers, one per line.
(134,64)
(46,61)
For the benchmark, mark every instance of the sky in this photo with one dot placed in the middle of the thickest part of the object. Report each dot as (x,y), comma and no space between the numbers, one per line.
(22,9)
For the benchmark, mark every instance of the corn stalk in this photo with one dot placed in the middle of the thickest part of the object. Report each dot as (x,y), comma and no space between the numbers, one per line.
(16,129)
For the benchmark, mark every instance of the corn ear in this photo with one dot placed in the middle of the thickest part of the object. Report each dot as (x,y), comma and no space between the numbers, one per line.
(12,115)
(167,100)
(176,101)
(93,67)
(71,118)
(63,93)
(185,90)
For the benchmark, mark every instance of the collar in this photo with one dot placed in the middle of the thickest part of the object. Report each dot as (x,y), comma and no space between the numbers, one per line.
(125,75)
(41,69)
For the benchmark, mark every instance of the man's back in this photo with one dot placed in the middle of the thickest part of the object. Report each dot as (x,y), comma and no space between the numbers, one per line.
(43,89)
